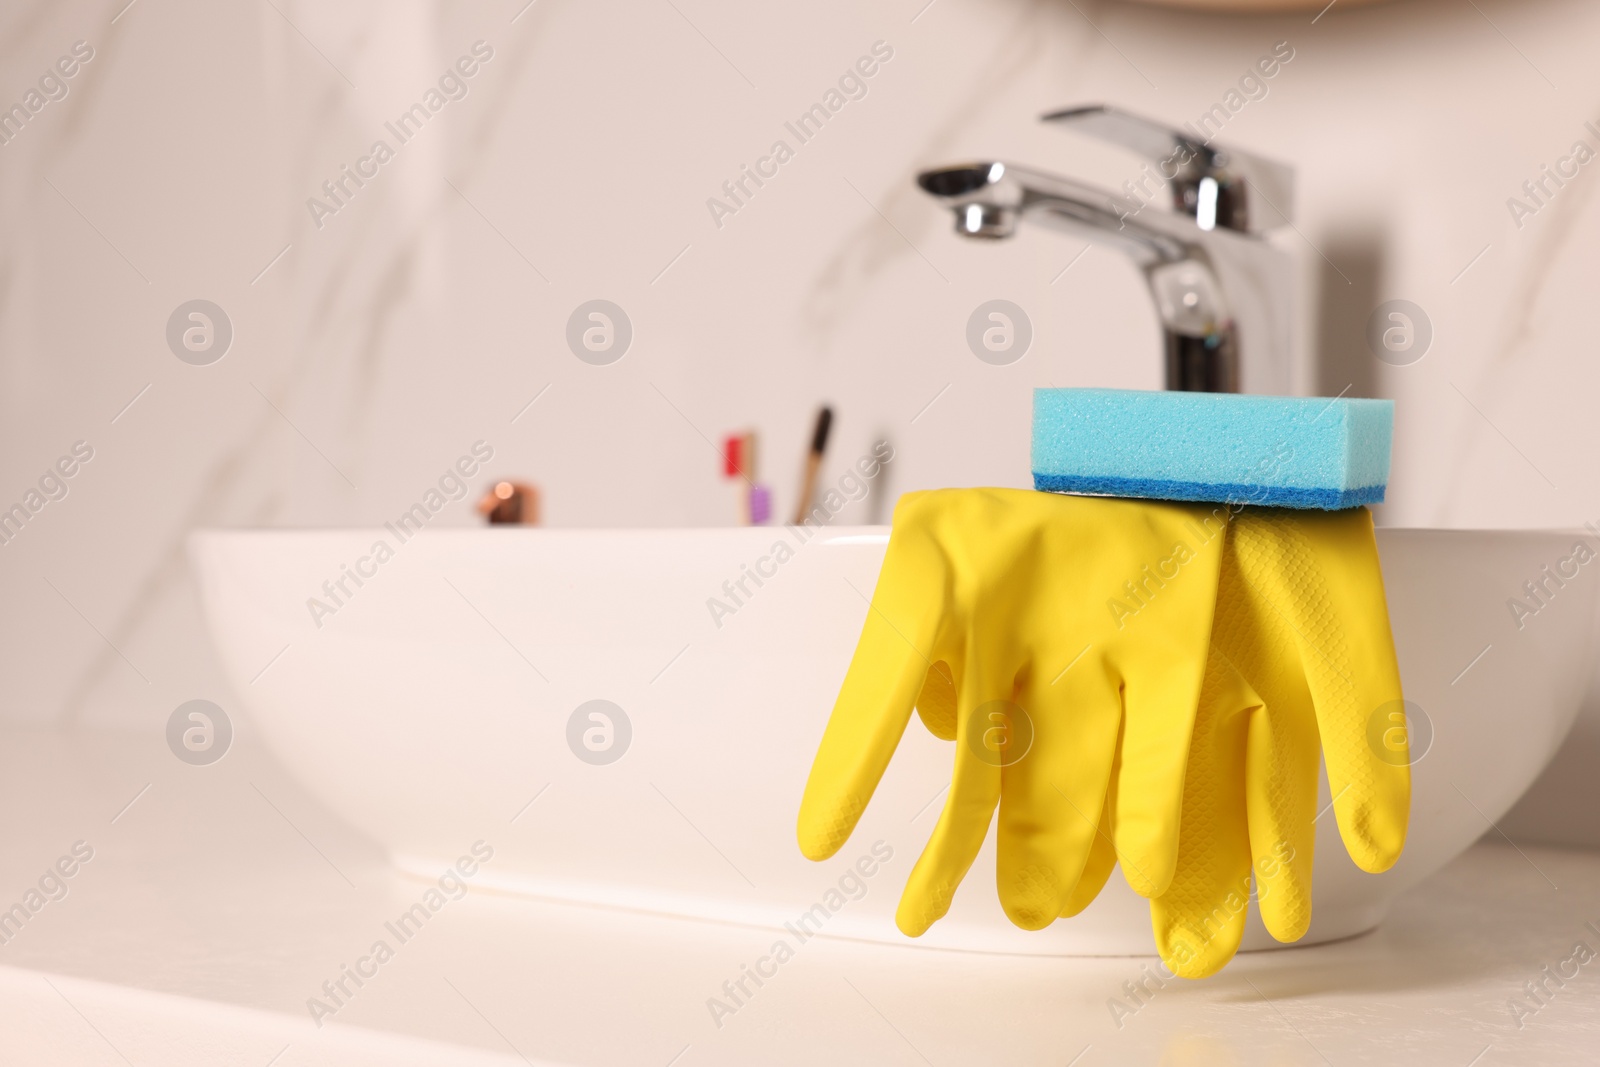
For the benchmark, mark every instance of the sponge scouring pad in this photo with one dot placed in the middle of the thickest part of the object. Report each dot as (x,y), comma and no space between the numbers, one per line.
(1296,452)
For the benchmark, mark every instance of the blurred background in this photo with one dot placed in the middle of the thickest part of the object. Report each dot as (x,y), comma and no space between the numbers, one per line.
(379,331)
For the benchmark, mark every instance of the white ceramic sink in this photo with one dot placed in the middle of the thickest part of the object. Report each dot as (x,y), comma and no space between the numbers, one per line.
(434,703)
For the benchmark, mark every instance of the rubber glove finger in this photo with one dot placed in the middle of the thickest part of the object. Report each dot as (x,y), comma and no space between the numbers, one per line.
(891,662)
(936,704)
(1321,572)
(1052,793)
(1199,921)
(1281,798)
(1163,660)
(1281,751)
(984,732)
(1102,860)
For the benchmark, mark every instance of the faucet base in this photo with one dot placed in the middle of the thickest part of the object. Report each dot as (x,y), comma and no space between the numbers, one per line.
(1202,364)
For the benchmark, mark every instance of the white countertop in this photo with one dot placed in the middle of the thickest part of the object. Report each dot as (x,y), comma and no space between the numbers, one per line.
(223,897)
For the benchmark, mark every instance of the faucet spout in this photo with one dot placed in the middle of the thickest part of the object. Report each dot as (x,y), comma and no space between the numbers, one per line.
(1211,277)
(989,199)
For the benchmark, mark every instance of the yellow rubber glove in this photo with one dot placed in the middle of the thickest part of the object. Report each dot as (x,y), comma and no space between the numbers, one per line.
(1301,652)
(1046,634)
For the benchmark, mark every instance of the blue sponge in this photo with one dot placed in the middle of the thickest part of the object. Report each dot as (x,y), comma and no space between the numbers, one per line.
(1295,452)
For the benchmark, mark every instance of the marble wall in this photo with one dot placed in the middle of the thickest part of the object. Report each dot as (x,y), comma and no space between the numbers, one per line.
(379,332)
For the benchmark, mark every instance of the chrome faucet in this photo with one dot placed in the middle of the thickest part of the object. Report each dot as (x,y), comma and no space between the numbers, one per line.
(1222,291)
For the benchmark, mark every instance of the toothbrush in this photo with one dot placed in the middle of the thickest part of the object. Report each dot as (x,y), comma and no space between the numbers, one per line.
(808,480)
(739,461)
(758,505)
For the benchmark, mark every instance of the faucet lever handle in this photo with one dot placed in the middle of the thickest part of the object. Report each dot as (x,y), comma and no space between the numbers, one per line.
(1219,187)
